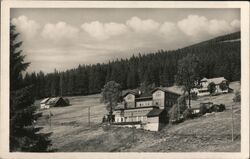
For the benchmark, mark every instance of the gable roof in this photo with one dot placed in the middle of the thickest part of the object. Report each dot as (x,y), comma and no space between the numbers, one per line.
(217,80)
(126,92)
(155,112)
(173,89)
(45,100)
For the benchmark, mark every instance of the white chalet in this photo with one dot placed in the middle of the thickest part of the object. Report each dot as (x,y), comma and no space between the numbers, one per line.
(202,89)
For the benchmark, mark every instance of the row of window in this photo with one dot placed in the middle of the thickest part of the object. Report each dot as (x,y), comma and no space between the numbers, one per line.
(131,119)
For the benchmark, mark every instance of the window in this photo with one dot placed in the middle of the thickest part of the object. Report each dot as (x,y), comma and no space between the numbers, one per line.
(121,119)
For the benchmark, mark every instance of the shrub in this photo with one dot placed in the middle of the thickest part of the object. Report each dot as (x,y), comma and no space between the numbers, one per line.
(187,114)
(237,97)
(67,101)
(222,107)
(174,115)
(211,87)
(217,108)
(214,108)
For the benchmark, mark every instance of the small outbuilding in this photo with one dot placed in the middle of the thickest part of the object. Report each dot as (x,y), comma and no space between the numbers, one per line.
(57,102)
(156,119)
(53,102)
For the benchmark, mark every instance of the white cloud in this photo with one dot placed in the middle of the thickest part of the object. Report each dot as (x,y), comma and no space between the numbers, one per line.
(168,29)
(235,23)
(103,31)
(142,26)
(193,25)
(28,28)
(59,31)
(199,27)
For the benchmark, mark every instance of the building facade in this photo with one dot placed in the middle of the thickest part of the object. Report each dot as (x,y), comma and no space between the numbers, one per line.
(202,88)
(148,112)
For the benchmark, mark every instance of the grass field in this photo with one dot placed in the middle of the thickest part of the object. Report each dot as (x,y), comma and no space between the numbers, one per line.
(209,133)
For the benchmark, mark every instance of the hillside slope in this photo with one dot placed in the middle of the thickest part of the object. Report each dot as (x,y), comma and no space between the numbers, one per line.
(218,57)
(210,133)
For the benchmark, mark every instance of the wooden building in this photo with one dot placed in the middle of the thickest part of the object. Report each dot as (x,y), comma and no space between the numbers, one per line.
(53,102)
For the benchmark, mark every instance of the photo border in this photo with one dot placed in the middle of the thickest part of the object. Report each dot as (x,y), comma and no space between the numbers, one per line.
(4,98)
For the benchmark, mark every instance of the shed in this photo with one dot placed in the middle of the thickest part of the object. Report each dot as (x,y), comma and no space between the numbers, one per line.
(57,102)
(156,119)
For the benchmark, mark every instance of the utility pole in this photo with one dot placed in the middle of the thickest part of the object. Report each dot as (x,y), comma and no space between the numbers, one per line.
(89,115)
(50,115)
(61,85)
(232,124)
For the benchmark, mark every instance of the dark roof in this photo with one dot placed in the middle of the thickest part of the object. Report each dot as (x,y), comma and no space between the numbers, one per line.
(54,101)
(155,112)
(173,89)
(119,108)
(217,80)
(126,92)
(143,98)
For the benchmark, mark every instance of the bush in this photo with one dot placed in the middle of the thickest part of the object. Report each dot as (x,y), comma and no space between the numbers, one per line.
(187,114)
(211,87)
(215,108)
(67,101)
(237,97)
(173,115)
(222,107)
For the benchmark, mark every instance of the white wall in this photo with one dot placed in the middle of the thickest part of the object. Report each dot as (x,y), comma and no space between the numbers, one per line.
(158,98)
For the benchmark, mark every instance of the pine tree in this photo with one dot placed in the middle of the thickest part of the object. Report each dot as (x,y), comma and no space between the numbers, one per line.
(24,135)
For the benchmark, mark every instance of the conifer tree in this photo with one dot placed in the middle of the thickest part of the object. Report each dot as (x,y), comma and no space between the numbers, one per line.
(24,135)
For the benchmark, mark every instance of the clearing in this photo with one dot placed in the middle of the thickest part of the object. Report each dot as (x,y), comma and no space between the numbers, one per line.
(209,133)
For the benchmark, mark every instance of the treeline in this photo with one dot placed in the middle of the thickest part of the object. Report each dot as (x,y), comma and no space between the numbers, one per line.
(218,58)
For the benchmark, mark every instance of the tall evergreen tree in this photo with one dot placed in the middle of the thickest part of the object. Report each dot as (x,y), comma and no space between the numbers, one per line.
(24,135)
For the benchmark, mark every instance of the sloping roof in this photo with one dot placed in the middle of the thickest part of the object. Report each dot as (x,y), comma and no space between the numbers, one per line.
(204,79)
(173,89)
(53,100)
(155,112)
(135,92)
(44,100)
(216,80)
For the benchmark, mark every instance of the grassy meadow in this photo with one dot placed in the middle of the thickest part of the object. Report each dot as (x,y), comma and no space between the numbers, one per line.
(209,133)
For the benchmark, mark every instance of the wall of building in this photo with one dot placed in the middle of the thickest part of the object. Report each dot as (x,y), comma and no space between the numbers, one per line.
(143,103)
(158,98)
(171,99)
(130,100)
(152,124)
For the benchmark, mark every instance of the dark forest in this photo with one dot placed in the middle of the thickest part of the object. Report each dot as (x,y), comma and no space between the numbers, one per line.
(219,57)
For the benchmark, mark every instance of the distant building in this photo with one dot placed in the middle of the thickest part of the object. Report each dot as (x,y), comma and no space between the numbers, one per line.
(202,88)
(53,102)
(148,111)
(43,104)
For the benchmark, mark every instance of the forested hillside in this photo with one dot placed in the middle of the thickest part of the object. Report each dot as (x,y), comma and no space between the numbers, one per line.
(219,57)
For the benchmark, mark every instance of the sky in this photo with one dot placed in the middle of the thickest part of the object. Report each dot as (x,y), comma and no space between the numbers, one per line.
(62,39)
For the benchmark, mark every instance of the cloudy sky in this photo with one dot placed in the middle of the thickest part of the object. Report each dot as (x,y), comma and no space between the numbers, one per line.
(64,38)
